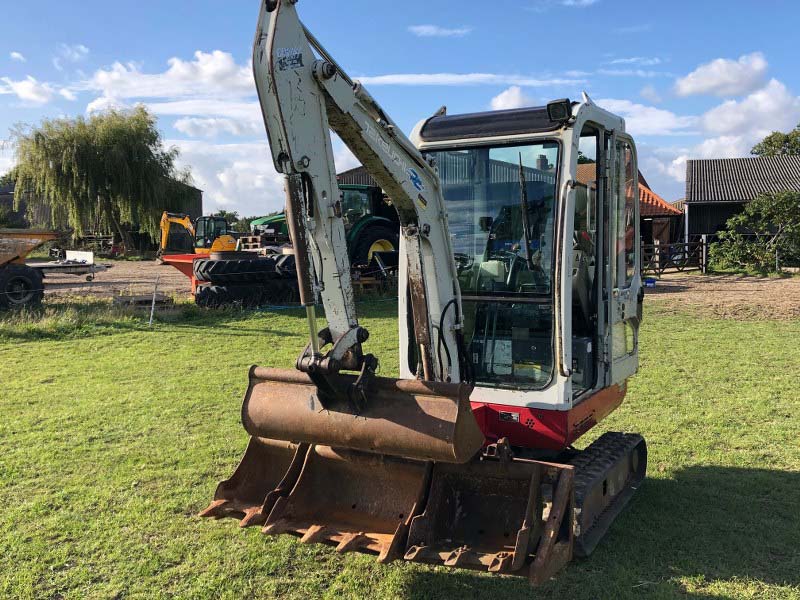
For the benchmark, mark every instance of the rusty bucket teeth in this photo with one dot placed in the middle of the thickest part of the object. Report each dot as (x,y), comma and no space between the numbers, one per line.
(268,470)
(354,501)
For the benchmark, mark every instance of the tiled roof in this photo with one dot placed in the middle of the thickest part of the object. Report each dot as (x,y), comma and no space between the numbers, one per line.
(740,179)
(651,204)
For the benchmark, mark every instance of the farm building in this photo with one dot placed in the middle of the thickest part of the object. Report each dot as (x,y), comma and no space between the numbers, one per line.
(717,189)
(659,219)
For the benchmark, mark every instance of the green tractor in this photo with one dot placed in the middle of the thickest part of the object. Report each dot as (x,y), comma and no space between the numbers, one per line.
(370,221)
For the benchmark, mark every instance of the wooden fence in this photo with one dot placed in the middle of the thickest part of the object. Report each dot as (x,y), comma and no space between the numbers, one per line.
(679,257)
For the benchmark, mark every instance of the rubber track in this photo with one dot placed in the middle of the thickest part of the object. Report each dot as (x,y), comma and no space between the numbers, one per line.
(591,468)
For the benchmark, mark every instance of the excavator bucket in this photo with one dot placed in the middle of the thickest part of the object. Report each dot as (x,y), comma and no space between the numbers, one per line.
(269,470)
(405,479)
(407,418)
(509,516)
(354,501)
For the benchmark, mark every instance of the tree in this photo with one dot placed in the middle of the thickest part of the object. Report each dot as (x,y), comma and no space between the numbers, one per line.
(762,236)
(583,159)
(109,172)
(230,216)
(9,178)
(779,144)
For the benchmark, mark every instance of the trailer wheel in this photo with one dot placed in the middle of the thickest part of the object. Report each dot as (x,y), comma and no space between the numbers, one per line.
(20,286)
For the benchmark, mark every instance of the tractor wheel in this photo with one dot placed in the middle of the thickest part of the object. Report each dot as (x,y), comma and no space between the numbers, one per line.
(378,238)
(281,292)
(223,272)
(215,296)
(20,286)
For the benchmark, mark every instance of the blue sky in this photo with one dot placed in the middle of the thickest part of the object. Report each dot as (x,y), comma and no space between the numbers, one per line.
(693,79)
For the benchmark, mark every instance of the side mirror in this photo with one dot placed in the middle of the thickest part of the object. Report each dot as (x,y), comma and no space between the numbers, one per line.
(485,224)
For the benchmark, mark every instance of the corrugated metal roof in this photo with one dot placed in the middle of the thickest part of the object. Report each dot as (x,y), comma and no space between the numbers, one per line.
(740,179)
(357,176)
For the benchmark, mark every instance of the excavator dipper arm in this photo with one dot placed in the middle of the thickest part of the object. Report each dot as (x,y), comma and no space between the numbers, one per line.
(304,94)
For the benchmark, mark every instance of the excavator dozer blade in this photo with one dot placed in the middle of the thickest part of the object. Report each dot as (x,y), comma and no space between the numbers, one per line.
(408,418)
(268,470)
(355,501)
(510,516)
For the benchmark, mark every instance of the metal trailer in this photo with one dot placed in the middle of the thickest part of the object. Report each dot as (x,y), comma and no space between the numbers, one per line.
(75,263)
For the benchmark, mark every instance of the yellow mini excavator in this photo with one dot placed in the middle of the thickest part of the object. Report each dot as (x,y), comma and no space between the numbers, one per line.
(519,307)
(179,235)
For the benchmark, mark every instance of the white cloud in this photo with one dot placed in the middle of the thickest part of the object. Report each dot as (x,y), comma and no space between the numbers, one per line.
(771,108)
(732,129)
(67,94)
(237,177)
(463,79)
(579,3)
(633,73)
(209,107)
(209,74)
(513,97)
(105,103)
(69,54)
(216,126)
(17,56)
(30,90)
(650,94)
(241,176)
(648,120)
(437,31)
(725,77)
(343,158)
(637,60)
(6,157)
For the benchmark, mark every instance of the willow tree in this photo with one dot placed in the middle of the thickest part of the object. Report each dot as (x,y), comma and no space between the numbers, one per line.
(109,172)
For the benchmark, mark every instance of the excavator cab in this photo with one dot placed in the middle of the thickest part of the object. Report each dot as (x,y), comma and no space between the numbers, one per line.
(179,235)
(518,311)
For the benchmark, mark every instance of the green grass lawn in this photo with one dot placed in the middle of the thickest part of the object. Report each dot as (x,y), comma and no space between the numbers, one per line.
(113,436)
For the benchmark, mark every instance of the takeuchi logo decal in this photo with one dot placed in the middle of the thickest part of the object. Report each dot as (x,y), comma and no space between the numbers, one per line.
(416,180)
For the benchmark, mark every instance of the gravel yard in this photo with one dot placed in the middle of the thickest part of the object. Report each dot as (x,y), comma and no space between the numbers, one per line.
(122,278)
(722,296)
(730,296)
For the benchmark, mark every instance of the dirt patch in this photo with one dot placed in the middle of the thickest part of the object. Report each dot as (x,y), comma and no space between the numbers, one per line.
(122,278)
(722,296)
(730,296)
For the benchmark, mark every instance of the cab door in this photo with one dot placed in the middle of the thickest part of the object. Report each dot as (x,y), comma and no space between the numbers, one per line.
(622,342)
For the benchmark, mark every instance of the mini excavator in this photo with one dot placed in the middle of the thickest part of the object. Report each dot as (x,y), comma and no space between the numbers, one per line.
(519,306)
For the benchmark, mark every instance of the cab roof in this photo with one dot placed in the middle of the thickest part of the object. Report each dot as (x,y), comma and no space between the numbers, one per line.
(488,124)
